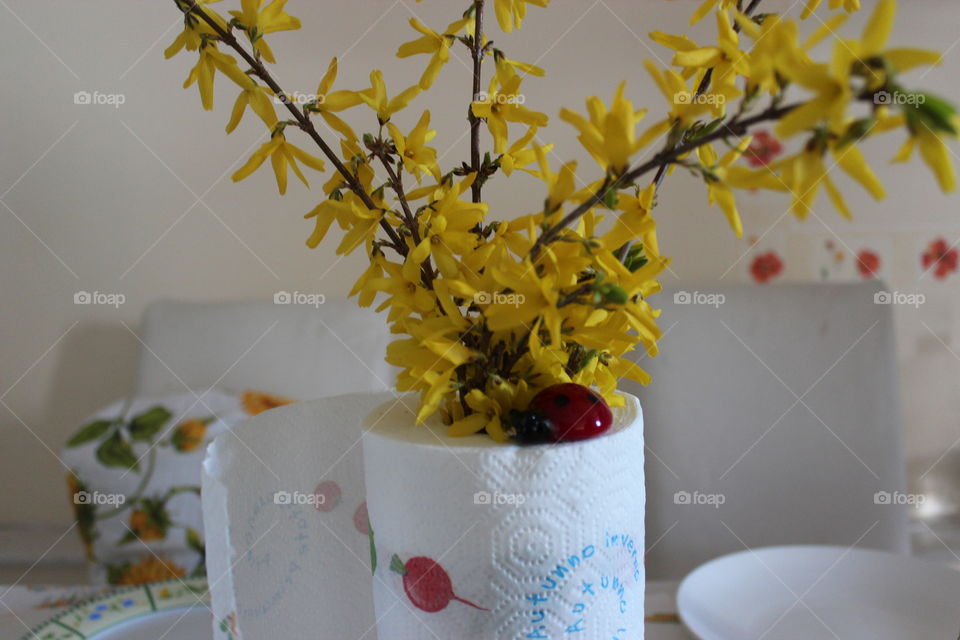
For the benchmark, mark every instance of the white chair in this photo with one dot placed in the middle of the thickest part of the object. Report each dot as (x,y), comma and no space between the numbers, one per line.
(773,418)
(298,351)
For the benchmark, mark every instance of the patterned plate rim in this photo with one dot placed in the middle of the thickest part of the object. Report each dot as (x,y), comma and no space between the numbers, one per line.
(150,590)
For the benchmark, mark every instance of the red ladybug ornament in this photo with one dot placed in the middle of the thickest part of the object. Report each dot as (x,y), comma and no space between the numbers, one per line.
(562,413)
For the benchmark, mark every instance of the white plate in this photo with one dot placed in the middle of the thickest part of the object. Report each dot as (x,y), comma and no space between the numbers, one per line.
(175,609)
(810,592)
(187,624)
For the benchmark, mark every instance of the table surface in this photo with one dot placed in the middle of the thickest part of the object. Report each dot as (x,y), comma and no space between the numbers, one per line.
(24,607)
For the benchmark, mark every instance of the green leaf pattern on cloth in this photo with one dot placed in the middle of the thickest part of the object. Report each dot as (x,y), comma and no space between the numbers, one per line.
(135,481)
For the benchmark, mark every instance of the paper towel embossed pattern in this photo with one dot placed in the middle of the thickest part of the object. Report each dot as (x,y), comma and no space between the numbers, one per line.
(581,517)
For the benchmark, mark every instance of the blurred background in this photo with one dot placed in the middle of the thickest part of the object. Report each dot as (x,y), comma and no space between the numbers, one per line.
(133,200)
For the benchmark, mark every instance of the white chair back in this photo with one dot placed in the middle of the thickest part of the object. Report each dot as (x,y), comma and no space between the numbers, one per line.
(298,351)
(773,418)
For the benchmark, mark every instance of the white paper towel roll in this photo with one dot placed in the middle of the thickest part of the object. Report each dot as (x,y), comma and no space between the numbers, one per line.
(486,541)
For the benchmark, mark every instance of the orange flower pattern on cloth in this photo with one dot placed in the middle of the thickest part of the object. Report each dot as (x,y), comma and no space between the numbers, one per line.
(189,434)
(255,402)
(145,528)
(149,569)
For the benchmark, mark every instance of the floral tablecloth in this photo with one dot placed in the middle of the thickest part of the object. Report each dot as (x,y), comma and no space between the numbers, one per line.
(23,608)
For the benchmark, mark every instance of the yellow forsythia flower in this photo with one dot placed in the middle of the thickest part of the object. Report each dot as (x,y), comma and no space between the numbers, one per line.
(935,154)
(848,5)
(376,97)
(804,173)
(257,98)
(437,45)
(609,135)
(259,23)
(282,155)
(708,6)
(211,60)
(194,29)
(718,191)
(519,155)
(417,157)
(504,104)
(510,13)
(329,102)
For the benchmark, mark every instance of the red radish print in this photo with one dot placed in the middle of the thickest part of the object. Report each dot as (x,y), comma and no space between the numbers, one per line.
(426,584)
(766,267)
(361,520)
(327,496)
(940,258)
(868,263)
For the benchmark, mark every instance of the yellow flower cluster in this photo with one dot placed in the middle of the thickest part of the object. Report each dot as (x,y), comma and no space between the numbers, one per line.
(488,312)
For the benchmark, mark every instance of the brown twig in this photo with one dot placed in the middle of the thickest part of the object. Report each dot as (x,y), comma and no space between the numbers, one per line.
(396,183)
(304,122)
(477,53)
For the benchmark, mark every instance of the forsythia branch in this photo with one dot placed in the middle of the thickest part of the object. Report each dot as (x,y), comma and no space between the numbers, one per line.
(477,53)
(480,332)
(396,183)
(304,122)
(701,89)
(735,127)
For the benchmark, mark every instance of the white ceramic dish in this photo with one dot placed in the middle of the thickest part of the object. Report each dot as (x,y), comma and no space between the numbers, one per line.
(811,592)
(187,624)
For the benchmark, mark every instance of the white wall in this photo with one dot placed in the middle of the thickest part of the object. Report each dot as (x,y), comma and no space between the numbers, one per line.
(137,200)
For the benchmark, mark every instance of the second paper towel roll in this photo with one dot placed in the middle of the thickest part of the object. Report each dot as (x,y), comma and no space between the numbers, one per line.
(487,541)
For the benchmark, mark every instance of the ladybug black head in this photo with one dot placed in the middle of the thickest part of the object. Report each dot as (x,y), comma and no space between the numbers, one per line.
(531,427)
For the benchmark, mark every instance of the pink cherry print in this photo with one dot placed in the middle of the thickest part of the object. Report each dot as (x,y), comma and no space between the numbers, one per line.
(328,495)
(361,520)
